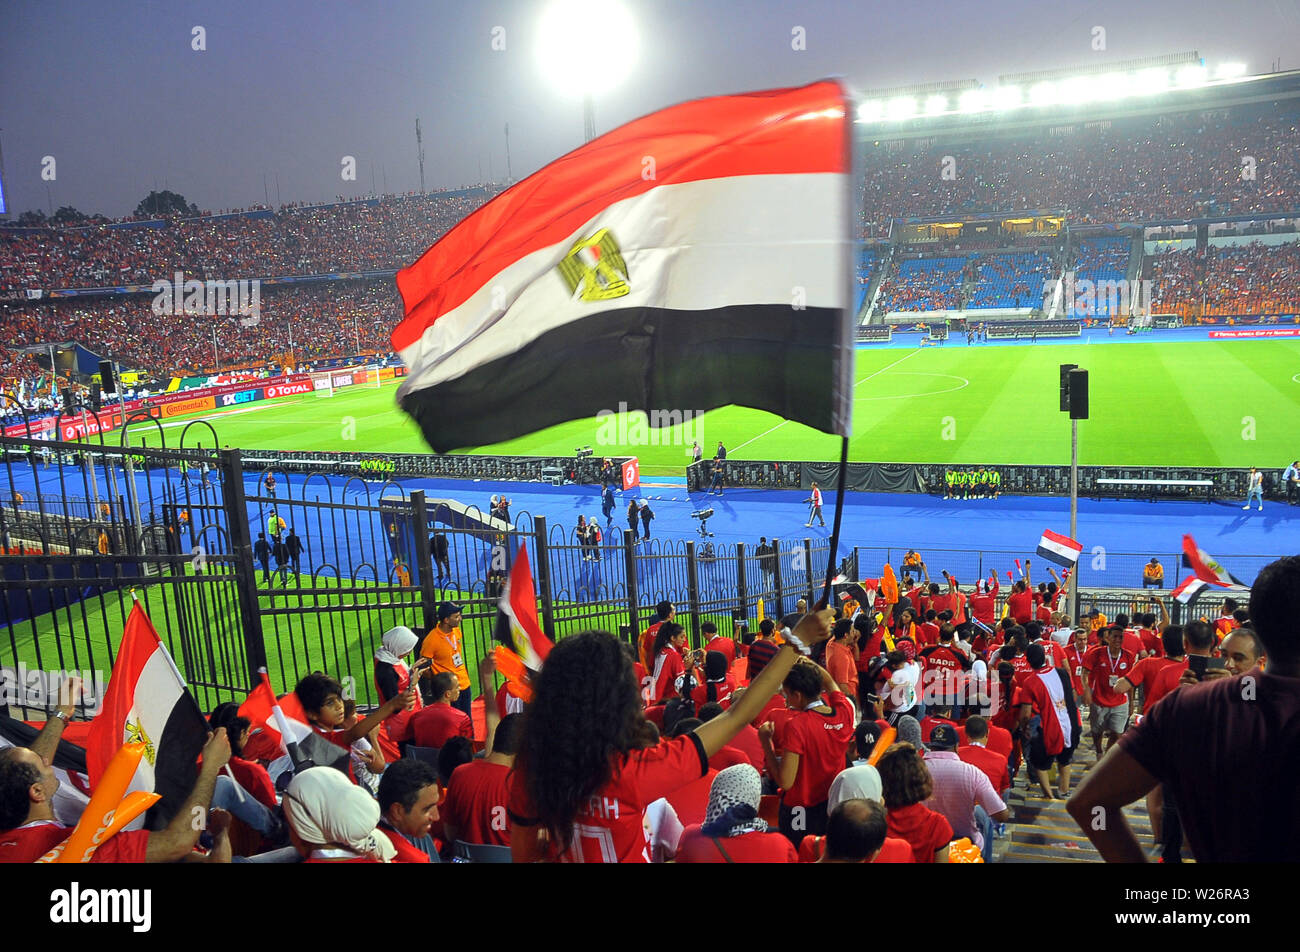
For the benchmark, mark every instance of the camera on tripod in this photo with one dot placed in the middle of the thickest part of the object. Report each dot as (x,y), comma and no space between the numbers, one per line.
(703,515)
(582,452)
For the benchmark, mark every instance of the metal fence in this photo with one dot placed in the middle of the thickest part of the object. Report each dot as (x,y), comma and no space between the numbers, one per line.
(182,530)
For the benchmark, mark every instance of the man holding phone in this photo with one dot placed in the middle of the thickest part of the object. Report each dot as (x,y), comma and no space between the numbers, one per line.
(1198,643)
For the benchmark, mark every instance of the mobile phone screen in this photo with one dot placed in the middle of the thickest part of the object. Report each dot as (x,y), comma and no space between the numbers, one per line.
(1197,665)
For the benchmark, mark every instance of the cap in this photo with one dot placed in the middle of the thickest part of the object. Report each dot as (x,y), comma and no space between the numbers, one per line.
(446,610)
(943,737)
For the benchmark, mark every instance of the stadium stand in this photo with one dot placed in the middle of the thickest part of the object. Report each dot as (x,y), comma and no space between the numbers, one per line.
(1010,280)
(924,284)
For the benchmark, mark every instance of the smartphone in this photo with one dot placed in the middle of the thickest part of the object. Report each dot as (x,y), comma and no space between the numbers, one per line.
(1198,664)
(1216,664)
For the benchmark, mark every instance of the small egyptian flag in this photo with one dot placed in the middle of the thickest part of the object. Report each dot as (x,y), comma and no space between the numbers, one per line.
(1189,589)
(1058,548)
(696,257)
(517,625)
(1206,567)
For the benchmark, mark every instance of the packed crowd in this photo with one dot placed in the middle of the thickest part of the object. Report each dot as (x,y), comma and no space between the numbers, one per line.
(321,239)
(1127,169)
(1011,280)
(1227,280)
(887,729)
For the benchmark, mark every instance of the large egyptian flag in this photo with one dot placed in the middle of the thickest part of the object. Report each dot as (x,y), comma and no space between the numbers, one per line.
(696,257)
(147,702)
(1207,568)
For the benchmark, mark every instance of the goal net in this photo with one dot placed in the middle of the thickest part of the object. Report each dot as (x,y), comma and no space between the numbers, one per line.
(326,382)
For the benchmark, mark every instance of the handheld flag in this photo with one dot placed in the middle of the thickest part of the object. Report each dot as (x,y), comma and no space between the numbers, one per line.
(1189,589)
(634,272)
(1206,567)
(147,702)
(1058,548)
(518,627)
(285,728)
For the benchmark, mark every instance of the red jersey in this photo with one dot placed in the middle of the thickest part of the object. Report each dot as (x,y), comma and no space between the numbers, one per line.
(722,693)
(821,741)
(1104,671)
(668,667)
(999,740)
(691,801)
(728,757)
(475,803)
(1054,653)
(1152,642)
(930,722)
(1164,681)
(406,851)
(843,667)
(27,844)
(1034,691)
(992,764)
(253,777)
(1145,672)
(1133,642)
(984,607)
(724,646)
(439,723)
(1074,664)
(609,828)
(695,847)
(925,830)
(954,602)
(646,644)
(1021,606)
(747,742)
(891,851)
(927,633)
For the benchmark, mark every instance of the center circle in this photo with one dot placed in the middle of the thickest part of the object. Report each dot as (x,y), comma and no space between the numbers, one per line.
(963,384)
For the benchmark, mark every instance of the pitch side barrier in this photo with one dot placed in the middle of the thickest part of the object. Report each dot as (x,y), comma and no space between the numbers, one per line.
(1095,482)
(536,469)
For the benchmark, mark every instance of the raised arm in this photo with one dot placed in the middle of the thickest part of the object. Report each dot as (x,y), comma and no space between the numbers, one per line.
(1164,614)
(46,743)
(177,840)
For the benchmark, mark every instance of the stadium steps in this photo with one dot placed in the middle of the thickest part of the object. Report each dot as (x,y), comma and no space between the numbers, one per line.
(1041,831)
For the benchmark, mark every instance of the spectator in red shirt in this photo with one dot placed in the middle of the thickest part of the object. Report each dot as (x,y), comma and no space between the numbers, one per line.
(855,832)
(665,612)
(1218,749)
(408,806)
(718,682)
(1074,653)
(906,785)
(715,641)
(581,773)
(1020,603)
(474,809)
(859,782)
(1109,709)
(841,657)
(1144,673)
(977,754)
(743,748)
(814,741)
(28,829)
(436,724)
(671,658)
(732,831)
(983,604)
(333,820)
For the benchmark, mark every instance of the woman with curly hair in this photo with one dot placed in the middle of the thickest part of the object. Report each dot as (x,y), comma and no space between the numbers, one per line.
(906,784)
(583,775)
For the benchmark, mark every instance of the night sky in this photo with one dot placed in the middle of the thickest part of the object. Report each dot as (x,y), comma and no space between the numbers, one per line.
(286,88)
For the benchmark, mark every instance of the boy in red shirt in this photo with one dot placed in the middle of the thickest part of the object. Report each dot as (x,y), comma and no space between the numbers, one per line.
(814,741)
(1109,708)
(440,721)
(474,809)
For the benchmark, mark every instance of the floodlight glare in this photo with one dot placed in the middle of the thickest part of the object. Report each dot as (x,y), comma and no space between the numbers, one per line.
(1148,82)
(1190,76)
(1111,86)
(973,100)
(871,111)
(1043,94)
(585,52)
(1077,90)
(936,105)
(1006,97)
(904,107)
(1230,70)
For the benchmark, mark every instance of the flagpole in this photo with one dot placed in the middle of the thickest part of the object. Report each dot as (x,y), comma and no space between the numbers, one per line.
(840,483)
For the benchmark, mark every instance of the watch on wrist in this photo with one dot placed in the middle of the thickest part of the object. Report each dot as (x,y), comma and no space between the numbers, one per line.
(61,716)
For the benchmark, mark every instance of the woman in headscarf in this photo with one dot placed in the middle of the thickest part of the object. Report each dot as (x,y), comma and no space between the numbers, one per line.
(859,782)
(732,831)
(331,820)
(393,677)
(718,684)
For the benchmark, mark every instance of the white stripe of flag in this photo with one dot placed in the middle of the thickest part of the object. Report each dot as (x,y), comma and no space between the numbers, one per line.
(1188,590)
(1058,548)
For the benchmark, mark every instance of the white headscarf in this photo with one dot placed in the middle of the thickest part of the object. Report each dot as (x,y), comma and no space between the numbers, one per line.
(855,783)
(397,643)
(323,806)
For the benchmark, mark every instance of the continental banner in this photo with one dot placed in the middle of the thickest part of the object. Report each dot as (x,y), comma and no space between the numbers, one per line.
(193,405)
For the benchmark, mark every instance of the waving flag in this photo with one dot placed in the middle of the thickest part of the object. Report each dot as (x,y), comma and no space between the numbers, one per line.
(518,627)
(713,233)
(1058,548)
(147,702)
(280,727)
(1206,567)
(1189,589)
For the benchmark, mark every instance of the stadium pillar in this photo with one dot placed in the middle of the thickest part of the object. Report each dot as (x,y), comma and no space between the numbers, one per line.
(424,558)
(241,548)
(693,592)
(808,568)
(629,562)
(742,589)
(544,575)
(776,577)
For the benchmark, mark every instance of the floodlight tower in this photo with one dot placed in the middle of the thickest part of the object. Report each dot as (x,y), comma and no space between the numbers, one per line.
(583,54)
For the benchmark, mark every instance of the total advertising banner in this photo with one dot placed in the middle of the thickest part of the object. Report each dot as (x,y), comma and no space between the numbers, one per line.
(286,389)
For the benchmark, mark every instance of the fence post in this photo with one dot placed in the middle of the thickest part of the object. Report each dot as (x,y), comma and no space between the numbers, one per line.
(544,575)
(693,591)
(241,550)
(424,558)
(776,578)
(742,589)
(808,570)
(633,597)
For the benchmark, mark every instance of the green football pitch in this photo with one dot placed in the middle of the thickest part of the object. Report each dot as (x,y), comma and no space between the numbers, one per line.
(1166,403)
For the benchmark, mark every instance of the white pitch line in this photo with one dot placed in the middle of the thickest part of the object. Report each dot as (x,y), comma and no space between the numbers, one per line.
(856,385)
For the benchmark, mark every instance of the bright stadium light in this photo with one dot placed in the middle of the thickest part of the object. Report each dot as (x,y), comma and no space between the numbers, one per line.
(1191,76)
(1147,82)
(1044,94)
(936,105)
(903,107)
(973,100)
(1111,86)
(1077,90)
(873,110)
(1230,70)
(583,52)
(1007,98)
